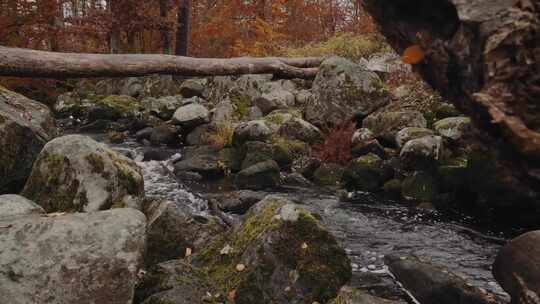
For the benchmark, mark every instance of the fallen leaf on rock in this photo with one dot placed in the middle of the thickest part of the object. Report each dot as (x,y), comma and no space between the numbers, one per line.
(189,252)
(240,267)
(232,295)
(413,54)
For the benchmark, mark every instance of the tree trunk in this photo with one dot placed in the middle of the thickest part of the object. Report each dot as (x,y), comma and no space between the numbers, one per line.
(483,55)
(182,30)
(164,28)
(31,63)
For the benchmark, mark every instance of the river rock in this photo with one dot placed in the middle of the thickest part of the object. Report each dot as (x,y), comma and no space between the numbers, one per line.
(365,173)
(349,295)
(163,107)
(422,153)
(328,174)
(171,231)
(286,256)
(277,99)
(433,285)
(516,268)
(192,88)
(453,127)
(191,115)
(164,134)
(177,282)
(255,130)
(200,136)
(385,125)
(72,258)
(299,129)
(410,133)
(75,173)
(13,205)
(342,89)
(204,160)
(259,176)
(25,127)
(238,202)
(113,107)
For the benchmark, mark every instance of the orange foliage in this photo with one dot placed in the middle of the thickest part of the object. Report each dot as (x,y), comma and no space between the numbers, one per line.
(336,146)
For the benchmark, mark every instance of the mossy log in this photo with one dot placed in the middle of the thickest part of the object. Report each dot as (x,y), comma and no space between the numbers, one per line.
(484,56)
(31,63)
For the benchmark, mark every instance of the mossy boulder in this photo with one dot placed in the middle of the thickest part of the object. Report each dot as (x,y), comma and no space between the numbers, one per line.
(420,186)
(328,174)
(74,173)
(193,88)
(25,127)
(453,127)
(259,176)
(178,282)
(342,89)
(301,130)
(410,133)
(114,107)
(365,173)
(386,125)
(256,152)
(255,130)
(287,256)
(163,107)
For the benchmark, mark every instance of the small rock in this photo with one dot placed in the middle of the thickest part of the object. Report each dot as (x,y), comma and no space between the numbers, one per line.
(422,153)
(410,133)
(386,125)
(453,127)
(277,99)
(192,88)
(191,115)
(259,176)
(255,130)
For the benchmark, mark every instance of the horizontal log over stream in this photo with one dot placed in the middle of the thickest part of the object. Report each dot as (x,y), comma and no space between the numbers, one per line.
(31,63)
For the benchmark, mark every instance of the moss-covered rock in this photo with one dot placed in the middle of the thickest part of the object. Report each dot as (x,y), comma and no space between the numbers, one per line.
(25,127)
(255,152)
(365,173)
(75,173)
(386,124)
(328,174)
(410,133)
(114,107)
(286,254)
(420,186)
(255,130)
(422,153)
(259,176)
(453,127)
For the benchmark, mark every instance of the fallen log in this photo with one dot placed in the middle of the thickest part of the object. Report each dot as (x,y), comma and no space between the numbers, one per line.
(484,56)
(31,63)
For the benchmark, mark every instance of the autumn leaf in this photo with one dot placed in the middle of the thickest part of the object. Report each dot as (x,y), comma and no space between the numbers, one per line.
(232,295)
(189,252)
(240,267)
(413,54)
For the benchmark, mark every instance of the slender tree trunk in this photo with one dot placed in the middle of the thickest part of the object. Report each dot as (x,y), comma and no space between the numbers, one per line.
(31,63)
(164,28)
(182,30)
(114,32)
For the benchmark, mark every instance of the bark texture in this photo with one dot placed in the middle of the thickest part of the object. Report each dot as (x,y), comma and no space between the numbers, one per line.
(31,63)
(484,55)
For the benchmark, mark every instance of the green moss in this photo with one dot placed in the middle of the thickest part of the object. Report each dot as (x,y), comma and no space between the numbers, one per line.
(128,177)
(328,174)
(120,105)
(118,204)
(275,118)
(241,105)
(96,161)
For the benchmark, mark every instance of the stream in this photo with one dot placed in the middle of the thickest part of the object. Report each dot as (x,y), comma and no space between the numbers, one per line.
(367,227)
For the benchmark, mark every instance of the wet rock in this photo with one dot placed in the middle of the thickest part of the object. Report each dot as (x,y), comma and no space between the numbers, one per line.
(255,130)
(73,258)
(164,135)
(349,295)
(516,268)
(299,129)
(171,230)
(393,188)
(74,173)
(259,176)
(157,154)
(204,160)
(287,255)
(420,186)
(13,205)
(453,127)
(296,180)
(385,125)
(422,153)
(163,107)
(25,127)
(365,173)
(328,174)
(191,115)
(192,88)
(178,282)
(433,285)
(223,112)
(341,89)
(278,99)
(238,202)
(410,133)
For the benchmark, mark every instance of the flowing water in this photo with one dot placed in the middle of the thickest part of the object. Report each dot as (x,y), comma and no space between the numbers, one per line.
(368,228)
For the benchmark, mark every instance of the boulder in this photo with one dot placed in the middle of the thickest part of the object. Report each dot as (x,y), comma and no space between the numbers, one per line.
(365,173)
(410,133)
(328,174)
(279,254)
(192,88)
(13,205)
(299,129)
(453,127)
(432,284)
(177,282)
(422,153)
(277,99)
(191,115)
(170,231)
(385,125)
(25,127)
(72,258)
(516,268)
(163,107)
(259,176)
(255,130)
(341,90)
(74,173)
